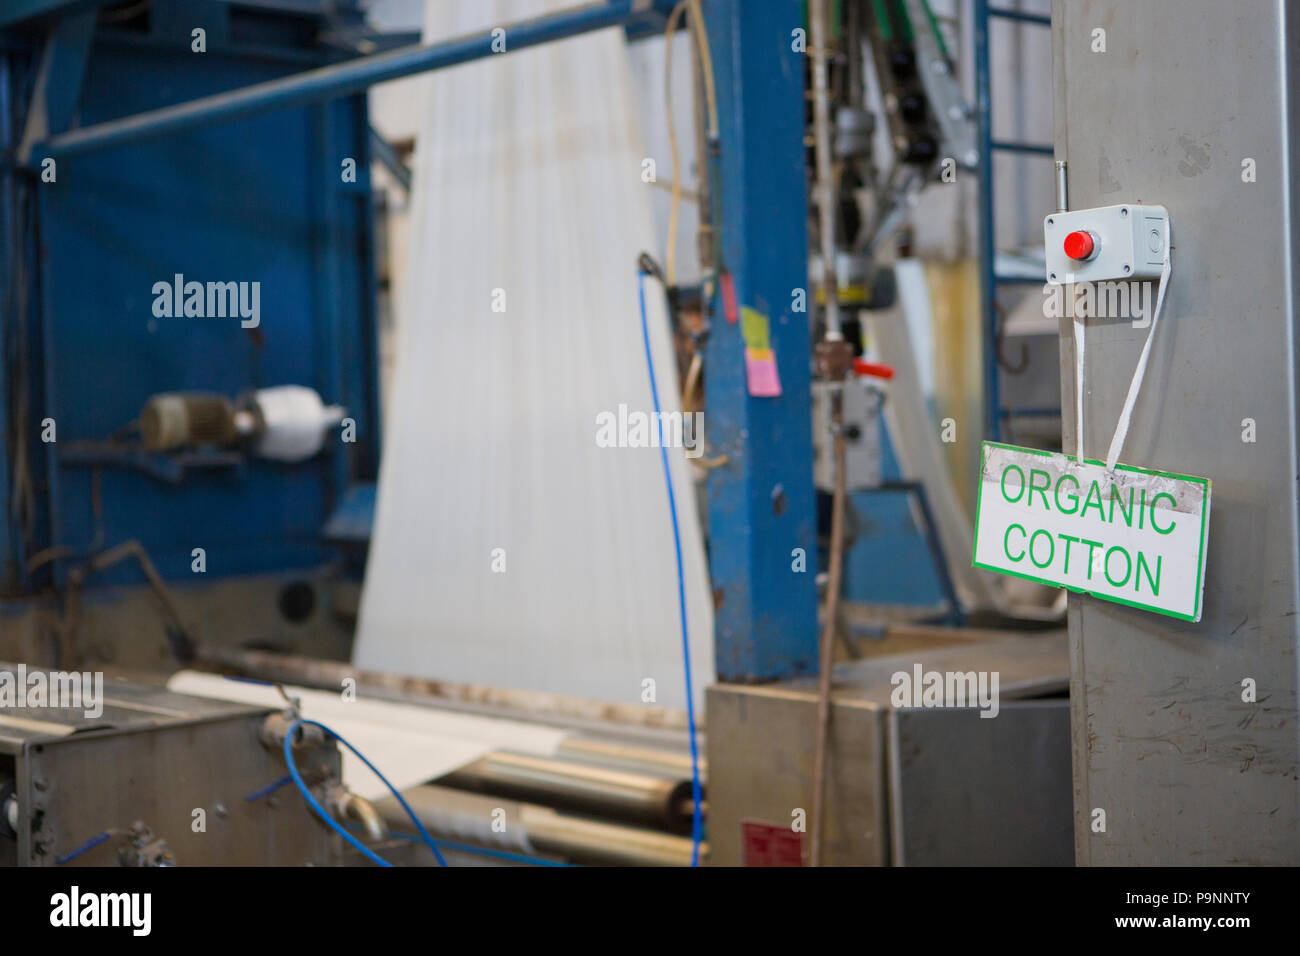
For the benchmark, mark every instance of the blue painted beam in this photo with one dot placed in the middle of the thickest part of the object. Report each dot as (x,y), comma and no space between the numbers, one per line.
(19,11)
(761,503)
(352,76)
(1021,16)
(11,557)
(59,78)
(988,231)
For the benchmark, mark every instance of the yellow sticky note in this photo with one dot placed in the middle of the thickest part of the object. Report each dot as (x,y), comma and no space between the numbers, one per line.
(755,329)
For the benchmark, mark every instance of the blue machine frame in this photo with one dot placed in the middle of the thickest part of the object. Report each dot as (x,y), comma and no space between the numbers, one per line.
(761,505)
(272,209)
(125,213)
(994,412)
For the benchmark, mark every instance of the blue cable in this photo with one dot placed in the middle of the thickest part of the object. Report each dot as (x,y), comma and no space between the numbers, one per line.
(697,823)
(270,788)
(324,814)
(84,848)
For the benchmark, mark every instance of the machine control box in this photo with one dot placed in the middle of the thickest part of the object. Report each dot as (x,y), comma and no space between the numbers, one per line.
(861,429)
(1106,244)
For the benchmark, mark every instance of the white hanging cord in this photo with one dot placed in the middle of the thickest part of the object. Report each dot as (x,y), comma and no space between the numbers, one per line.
(1126,416)
(1135,386)
(1079,340)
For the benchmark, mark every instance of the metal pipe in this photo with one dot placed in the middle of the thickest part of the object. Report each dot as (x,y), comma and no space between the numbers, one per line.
(463,817)
(607,843)
(819,14)
(383,151)
(834,582)
(1062,187)
(352,76)
(181,641)
(364,812)
(648,799)
(534,830)
(1012,146)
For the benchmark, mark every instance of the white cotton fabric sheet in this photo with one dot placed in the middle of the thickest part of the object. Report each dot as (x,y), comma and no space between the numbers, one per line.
(409,744)
(528,185)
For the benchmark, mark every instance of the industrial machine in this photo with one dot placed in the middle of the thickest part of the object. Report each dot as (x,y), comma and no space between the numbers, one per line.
(191,429)
(190,438)
(187,382)
(907,784)
(140,776)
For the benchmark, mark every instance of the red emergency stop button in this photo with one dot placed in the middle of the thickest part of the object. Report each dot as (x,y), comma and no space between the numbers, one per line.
(1080,245)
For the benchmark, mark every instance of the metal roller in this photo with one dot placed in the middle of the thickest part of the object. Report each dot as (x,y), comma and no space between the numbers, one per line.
(630,757)
(534,830)
(652,799)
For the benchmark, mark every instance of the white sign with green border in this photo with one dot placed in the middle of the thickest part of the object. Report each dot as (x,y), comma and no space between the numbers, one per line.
(1135,537)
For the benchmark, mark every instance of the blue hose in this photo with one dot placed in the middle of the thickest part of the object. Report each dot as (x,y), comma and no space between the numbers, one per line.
(84,848)
(697,822)
(324,814)
(269,789)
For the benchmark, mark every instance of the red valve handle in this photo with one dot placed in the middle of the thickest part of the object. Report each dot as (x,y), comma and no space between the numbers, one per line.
(872,369)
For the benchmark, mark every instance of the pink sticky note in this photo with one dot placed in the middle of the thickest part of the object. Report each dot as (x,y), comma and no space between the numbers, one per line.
(760,373)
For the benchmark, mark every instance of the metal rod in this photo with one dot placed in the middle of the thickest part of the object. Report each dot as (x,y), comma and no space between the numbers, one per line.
(181,641)
(1062,187)
(384,151)
(1034,149)
(819,14)
(834,582)
(346,78)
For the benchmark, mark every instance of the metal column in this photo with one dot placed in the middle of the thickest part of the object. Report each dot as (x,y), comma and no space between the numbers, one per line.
(761,504)
(1186,770)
